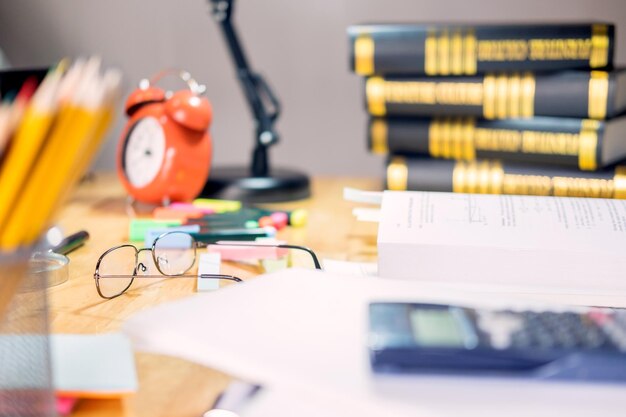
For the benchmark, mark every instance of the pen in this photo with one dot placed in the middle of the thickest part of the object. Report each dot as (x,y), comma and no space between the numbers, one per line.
(234,234)
(71,243)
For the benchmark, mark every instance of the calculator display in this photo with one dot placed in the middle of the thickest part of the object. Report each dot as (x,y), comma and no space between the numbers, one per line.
(436,328)
(579,344)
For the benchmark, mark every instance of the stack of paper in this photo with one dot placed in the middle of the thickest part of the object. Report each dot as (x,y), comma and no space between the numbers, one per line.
(303,335)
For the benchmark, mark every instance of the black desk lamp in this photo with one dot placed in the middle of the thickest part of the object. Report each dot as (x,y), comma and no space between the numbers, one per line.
(259,183)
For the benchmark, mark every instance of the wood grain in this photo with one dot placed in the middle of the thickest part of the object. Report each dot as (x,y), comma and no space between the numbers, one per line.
(170,386)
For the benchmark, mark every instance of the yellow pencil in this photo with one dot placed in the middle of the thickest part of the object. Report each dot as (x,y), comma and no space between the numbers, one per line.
(65,144)
(28,140)
(102,119)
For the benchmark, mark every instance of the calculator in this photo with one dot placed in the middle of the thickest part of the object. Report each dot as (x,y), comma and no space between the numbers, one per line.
(586,344)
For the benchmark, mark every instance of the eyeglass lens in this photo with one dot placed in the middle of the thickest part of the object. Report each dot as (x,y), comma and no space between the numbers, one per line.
(115,270)
(174,253)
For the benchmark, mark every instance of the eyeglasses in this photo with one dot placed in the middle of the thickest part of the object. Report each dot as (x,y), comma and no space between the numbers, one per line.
(174,254)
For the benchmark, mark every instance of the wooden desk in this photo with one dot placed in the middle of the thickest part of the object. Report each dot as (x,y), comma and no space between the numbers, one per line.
(170,386)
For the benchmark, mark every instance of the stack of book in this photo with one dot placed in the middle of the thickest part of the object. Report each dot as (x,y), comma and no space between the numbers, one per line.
(501,109)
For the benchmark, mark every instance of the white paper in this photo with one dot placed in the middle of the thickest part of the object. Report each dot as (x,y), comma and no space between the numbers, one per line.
(349,268)
(305,332)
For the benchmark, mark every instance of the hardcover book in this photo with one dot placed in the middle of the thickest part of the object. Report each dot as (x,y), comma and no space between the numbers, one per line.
(495,177)
(453,49)
(578,143)
(580,94)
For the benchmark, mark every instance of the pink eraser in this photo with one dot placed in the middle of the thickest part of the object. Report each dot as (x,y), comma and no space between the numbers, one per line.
(280,219)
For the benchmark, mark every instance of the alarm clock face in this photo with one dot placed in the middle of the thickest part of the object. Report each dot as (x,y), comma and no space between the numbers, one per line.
(143,152)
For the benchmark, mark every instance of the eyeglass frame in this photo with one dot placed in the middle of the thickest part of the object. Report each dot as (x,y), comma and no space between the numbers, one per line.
(197,244)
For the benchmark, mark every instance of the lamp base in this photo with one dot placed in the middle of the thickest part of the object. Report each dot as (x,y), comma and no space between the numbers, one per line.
(235,183)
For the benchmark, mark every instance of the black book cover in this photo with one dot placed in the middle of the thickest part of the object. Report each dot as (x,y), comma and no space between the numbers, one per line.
(578,143)
(495,177)
(458,49)
(581,94)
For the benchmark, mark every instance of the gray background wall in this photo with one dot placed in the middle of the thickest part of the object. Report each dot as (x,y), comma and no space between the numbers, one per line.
(301,47)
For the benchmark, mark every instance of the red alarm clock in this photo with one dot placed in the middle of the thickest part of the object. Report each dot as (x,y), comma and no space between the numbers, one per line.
(164,153)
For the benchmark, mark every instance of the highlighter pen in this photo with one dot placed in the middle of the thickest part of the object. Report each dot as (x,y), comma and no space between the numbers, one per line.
(234,234)
(296,217)
(71,243)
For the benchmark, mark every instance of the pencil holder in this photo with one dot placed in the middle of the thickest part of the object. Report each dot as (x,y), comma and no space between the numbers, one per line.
(25,369)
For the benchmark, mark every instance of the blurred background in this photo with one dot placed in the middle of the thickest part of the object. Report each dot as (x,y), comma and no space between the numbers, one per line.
(301,47)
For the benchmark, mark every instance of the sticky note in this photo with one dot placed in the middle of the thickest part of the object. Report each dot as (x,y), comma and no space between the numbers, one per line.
(138,227)
(93,366)
(183,240)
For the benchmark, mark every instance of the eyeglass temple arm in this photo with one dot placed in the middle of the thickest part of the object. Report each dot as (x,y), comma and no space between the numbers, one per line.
(316,261)
(204,276)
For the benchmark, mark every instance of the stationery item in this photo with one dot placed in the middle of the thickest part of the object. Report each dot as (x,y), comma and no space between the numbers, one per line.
(251,224)
(275,349)
(466,49)
(71,243)
(93,366)
(60,131)
(208,264)
(218,206)
(295,218)
(27,143)
(164,153)
(138,227)
(65,405)
(241,251)
(582,94)
(190,206)
(350,268)
(11,112)
(153,234)
(359,196)
(366,214)
(169,213)
(566,244)
(571,344)
(234,398)
(495,177)
(577,143)
(234,234)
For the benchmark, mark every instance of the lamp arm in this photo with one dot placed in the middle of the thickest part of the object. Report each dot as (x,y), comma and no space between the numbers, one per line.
(262,101)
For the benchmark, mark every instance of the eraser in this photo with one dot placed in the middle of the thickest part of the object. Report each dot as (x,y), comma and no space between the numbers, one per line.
(138,227)
(266,221)
(270,231)
(208,263)
(298,218)
(279,219)
(251,224)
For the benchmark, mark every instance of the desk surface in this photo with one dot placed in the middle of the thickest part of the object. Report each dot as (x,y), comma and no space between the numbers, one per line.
(170,386)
